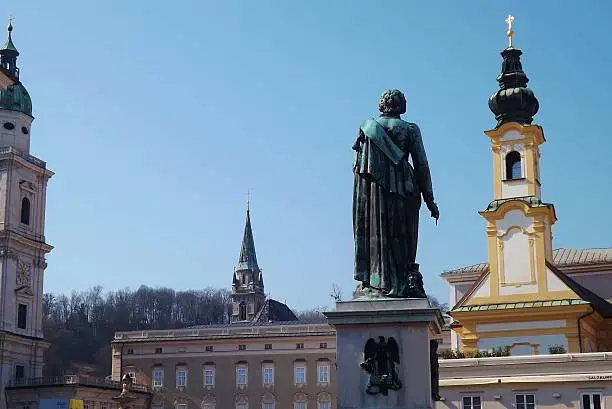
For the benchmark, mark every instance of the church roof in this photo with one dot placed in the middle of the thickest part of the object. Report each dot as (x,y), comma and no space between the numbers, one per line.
(603,307)
(248,257)
(274,311)
(599,304)
(561,258)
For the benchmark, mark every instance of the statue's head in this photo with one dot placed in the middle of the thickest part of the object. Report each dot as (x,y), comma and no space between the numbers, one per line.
(392,102)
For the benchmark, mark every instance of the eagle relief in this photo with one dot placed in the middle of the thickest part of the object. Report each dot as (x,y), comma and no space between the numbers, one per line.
(379,362)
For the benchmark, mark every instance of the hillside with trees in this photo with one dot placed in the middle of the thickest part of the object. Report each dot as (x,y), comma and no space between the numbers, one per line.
(81,326)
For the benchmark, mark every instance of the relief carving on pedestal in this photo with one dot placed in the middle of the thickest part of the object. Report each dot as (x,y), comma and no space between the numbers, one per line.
(380,359)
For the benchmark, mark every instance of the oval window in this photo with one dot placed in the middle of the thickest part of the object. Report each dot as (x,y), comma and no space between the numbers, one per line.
(8,125)
(25,130)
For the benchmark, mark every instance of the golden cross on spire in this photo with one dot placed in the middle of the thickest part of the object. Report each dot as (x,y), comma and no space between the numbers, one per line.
(510,33)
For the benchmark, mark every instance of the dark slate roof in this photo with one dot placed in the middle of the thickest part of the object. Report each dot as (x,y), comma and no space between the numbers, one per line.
(561,258)
(273,310)
(248,258)
(600,305)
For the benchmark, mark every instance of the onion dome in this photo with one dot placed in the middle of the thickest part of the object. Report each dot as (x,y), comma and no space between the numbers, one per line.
(16,98)
(513,102)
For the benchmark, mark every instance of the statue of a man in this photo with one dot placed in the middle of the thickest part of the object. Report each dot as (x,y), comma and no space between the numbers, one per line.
(386,201)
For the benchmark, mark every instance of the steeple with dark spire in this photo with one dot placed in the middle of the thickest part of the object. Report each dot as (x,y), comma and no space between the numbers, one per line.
(9,54)
(248,257)
(247,284)
(513,102)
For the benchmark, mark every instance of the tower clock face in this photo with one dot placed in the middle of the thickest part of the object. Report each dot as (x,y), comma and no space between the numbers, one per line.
(23,274)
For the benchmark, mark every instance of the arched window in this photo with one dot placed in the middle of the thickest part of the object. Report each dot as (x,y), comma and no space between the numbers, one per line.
(513,165)
(242,316)
(25,210)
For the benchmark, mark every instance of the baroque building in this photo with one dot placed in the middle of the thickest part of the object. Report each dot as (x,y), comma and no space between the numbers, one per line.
(265,357)
(23,189)
(548,310)
(23,247)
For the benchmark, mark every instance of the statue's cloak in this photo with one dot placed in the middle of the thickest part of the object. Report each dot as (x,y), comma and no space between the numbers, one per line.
(386,201)
(382,160)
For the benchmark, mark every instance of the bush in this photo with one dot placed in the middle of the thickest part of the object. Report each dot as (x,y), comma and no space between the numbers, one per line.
(492,353)
(556,349)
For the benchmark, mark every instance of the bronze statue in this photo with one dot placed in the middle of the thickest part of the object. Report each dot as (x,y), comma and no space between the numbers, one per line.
(379,361)
(387,194)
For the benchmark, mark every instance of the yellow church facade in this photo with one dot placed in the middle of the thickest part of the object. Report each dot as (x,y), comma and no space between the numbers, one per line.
(524,299)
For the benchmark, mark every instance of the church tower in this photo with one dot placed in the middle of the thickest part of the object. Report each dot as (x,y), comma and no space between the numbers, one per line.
(247,286)
(23,188)
(518,222)
(521,300)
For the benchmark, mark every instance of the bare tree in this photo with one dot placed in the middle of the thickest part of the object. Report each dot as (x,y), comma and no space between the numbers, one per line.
(336,293)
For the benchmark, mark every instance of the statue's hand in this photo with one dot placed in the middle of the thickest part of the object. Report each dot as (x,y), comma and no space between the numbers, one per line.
(433,208)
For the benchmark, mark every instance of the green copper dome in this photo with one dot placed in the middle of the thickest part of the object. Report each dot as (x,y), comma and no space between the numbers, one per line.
(16,98)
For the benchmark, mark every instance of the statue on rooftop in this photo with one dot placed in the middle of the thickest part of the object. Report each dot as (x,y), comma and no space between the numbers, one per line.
(387,195)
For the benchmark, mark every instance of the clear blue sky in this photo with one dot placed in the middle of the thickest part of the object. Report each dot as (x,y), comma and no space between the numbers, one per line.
(158,118)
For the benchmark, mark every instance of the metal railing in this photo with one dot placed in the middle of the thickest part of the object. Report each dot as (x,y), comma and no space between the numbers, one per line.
(82,380)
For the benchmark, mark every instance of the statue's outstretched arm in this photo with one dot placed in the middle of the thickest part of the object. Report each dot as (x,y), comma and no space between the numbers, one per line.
(421,166)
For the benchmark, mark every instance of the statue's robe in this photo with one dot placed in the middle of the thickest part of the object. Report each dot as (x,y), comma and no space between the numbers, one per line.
(386,201)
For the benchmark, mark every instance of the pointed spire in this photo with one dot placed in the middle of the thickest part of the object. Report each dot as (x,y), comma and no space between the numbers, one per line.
(514,101)
(9,53)
(9,41)
(248,258)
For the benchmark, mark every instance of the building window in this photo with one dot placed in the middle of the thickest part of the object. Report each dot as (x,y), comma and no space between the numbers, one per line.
(209,348)
(525,401)
(268,346)
(241,375)
(209,376)
(299,405)
(591,400)
(323,345)
(513,165)
(158,350)
(299,346)
(130,351)
(471,402)
(323,370)
(158,377)
(299,375)
(22,316)
(241,347)
(267,405)
(19,371)
(268,374)
(324,405)
(181,406)
(25,210)
(208,406)
(242,311)
(242,406)
(181,377)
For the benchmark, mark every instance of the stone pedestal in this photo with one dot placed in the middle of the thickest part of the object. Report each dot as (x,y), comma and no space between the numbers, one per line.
(412,323)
